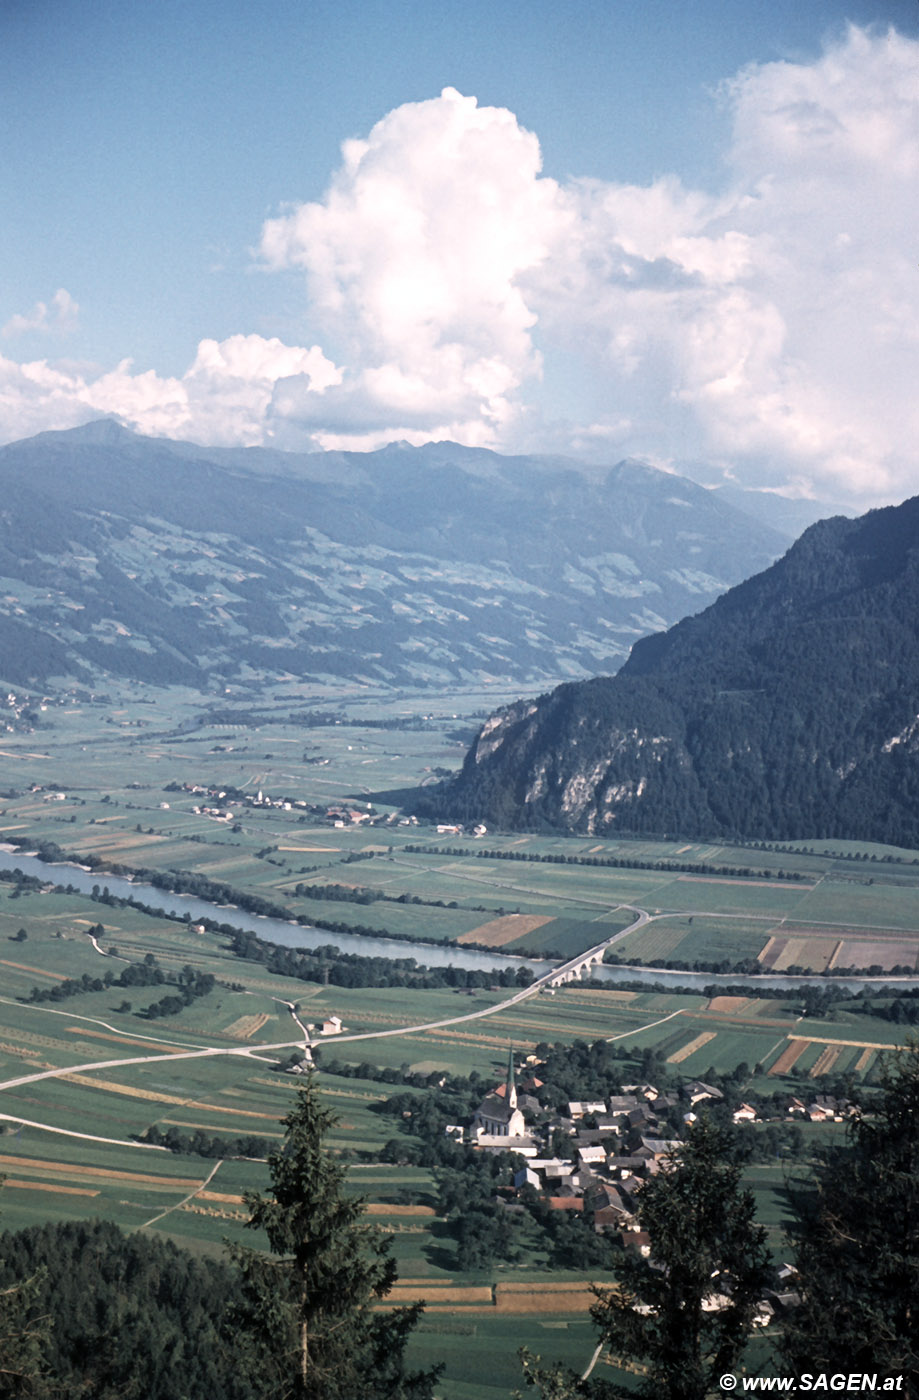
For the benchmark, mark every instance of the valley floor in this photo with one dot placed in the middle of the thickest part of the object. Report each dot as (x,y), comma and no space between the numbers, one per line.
(145,783)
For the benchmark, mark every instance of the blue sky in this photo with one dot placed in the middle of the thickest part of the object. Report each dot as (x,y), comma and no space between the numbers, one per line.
(686,232)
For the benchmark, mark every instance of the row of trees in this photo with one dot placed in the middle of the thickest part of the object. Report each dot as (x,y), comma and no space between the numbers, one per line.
(190,983)
(328,964)
(689,867)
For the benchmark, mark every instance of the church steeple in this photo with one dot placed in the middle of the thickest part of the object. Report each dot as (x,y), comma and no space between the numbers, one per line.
(511,1094)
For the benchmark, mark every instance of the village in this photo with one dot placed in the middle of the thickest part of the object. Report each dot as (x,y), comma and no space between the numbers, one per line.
(601,1151)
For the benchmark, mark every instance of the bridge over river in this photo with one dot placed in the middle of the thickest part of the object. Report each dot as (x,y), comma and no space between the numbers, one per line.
(577,966)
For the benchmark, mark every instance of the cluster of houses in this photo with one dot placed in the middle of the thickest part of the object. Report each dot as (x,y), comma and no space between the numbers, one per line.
(221,806)
(612,1146)
(615,1138)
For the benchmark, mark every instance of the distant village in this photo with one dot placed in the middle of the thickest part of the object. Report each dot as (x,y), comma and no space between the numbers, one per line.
(610,1146)
(605,1149)
(226,805)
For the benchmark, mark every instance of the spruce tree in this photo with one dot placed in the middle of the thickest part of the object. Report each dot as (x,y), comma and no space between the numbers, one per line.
(23,1335)
(310,1328)
(22,1339)
(683,1314)
(857,1241)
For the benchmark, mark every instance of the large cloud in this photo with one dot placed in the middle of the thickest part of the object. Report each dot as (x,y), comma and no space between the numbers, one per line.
(774,327)
(413,263)
(770,327)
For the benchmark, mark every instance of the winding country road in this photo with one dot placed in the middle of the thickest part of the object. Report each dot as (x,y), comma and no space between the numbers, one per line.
(253,1051)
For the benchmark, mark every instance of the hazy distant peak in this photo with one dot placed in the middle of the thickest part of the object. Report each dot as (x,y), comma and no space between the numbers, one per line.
(100,432)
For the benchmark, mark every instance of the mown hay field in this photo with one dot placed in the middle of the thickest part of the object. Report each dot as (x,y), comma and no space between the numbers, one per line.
(697,1043)
(496,933)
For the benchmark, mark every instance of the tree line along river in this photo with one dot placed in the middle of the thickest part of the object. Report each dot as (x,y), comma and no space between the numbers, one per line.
(293,935)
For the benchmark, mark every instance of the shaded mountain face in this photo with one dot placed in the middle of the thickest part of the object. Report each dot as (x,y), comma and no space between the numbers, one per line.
(169,563)
(789,708)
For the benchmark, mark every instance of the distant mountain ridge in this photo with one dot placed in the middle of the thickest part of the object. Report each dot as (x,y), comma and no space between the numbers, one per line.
(166,562)
(789,708)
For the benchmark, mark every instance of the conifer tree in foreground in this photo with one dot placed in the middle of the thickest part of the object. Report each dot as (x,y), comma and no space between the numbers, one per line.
(685,1314)
(22,1338)
(857,1241)
(309,1328)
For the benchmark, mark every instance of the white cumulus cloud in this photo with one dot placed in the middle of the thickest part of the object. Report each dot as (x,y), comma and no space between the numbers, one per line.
(774,327)
(770,327)
(413,262)
(222,399)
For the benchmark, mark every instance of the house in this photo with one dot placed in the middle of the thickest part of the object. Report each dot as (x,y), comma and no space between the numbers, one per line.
(745,1114)
(580,1110)
(698,1092)
(659,1147)
(531,1085)
(825,1108)
(611,1210)
(627,1165)
(639,1241)
(592,1156)
(550,1163)
(524,1146)
(331,1026)
(641,1119)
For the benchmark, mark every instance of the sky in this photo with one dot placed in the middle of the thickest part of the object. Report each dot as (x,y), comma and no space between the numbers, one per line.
(682,232)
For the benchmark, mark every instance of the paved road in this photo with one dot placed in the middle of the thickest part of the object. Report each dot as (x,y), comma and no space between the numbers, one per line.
(212,1051)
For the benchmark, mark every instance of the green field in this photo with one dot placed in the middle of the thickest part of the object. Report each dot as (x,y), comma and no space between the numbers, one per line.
(111,1072)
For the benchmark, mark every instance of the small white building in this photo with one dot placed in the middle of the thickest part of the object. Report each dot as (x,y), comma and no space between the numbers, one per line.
(592,1156)
(580,1110)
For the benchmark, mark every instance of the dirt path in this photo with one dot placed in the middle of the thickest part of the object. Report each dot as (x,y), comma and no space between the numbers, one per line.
(185,1199)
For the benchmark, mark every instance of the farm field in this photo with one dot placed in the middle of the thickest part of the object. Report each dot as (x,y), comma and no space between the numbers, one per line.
(81,1078)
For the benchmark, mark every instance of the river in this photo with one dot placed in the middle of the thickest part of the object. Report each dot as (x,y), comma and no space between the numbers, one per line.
(293,935)
(288,935)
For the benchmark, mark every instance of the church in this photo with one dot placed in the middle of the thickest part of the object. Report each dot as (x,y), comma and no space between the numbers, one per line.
(498,1123)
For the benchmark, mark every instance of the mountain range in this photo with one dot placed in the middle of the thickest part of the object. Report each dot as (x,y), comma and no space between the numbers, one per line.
(788,708)
(168,563)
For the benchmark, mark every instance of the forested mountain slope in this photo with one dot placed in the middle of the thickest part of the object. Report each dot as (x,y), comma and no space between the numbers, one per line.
(168,563)
(790,707)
